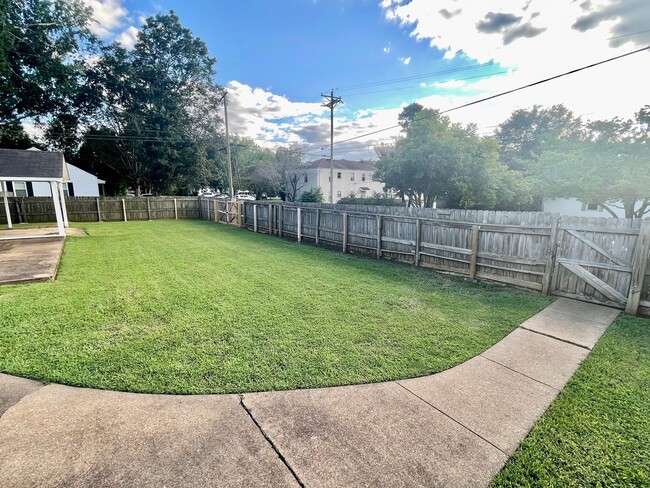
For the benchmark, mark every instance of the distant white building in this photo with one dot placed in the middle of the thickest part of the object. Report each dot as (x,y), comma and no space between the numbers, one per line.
(80,184)
(350,178)
(572,207)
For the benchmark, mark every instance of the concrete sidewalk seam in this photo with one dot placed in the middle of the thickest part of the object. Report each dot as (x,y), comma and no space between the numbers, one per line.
(453,419)
(519,372)
(2,414)
(270,442)
(556,338)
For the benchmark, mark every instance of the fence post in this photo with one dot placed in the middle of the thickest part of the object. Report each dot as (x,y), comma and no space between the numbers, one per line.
(345,232)
(317,225)
(474,256)
(270,219)
(124,209)
(176,210)
(550,258)
(299,225)
(639,265)
(418,239)
(149,208)
(99,211)
(280,220)
(215,207)
(255,218)
(378,236)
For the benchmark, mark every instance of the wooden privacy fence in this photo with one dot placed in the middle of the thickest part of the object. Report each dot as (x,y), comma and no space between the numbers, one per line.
(224,211)
(600,260)
(95,209)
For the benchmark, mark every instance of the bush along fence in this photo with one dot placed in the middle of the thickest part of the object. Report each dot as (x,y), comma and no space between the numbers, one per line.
(97,209)
(600,260)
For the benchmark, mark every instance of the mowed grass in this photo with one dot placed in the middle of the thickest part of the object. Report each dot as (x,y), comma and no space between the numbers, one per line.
(197,307)
(597,433)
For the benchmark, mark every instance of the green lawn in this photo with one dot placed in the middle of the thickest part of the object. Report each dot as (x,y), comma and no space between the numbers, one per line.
(597,433)
(197,307)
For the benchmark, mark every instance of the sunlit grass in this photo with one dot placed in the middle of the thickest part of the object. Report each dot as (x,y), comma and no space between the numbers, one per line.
(198,307)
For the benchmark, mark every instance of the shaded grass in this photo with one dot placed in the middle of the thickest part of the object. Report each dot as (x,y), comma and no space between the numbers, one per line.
(195,307)
(597,432)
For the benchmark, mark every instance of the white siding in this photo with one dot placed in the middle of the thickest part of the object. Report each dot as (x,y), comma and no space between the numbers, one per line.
(573,207)
(84,184)
(345,184)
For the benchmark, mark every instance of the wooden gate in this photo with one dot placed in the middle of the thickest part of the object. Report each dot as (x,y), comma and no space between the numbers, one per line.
(594,263)
(229,212)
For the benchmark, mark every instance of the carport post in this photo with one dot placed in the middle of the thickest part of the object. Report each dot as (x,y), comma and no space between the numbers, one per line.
(63,207)
(4,193)
(57,208)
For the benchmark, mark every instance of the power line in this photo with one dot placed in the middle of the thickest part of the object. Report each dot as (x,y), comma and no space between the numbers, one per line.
(481,100)
(414,77)
(419,86)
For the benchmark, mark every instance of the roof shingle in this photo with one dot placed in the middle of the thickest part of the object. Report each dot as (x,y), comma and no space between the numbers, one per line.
(19,163)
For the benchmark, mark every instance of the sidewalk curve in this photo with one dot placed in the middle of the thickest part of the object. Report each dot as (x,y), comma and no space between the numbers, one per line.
(455,428)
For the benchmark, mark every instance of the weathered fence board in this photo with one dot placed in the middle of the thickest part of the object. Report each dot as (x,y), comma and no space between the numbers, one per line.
(94,209)
(585,258)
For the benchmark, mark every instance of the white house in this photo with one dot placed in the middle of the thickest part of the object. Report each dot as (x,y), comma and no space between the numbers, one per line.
(80,184)
(350,178)
(572,207)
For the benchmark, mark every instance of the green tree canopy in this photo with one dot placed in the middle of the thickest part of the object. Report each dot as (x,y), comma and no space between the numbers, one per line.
(436,160)
(611,167)
(162,106)
(524,135)
(43,59)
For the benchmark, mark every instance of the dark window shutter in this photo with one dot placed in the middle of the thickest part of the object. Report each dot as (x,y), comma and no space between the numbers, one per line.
(10,186)
(70,189)
(30,189)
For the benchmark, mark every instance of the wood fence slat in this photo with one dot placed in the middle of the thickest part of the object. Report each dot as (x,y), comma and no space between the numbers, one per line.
(596,247)
(639,267)
(598,284)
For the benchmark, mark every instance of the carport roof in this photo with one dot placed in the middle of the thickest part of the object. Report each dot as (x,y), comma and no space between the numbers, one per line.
(29,165)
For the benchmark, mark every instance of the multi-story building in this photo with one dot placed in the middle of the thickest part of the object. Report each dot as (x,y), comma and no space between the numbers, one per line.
(350,178)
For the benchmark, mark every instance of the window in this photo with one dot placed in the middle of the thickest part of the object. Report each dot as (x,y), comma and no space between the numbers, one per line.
(352,177)
(306,178)
(68,189)
(338,194)
(363,177)
(592,206)
(338,175)
(20,189)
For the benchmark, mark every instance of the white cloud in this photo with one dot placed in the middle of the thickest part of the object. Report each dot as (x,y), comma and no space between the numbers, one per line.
(406,61)
(108,15)
(537,39)
(270,119)
(128,37)
(387,49)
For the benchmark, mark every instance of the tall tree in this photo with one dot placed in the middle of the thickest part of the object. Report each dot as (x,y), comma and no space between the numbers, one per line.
(436,160)
(162,105)
(43,70)
(523,136)
(609,167)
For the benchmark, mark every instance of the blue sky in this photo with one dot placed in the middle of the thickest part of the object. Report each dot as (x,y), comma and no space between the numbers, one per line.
(276,57)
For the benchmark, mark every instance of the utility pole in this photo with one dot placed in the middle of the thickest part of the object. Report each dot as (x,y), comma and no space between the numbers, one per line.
(225,109)
(331,102)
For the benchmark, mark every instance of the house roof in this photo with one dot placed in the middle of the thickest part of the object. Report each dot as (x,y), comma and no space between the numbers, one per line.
(32,165)
(342,164)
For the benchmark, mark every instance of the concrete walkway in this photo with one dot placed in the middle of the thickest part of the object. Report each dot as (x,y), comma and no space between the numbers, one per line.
(455,428)
(24,259)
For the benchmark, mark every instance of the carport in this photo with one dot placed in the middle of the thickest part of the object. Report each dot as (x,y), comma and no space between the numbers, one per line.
(35,166)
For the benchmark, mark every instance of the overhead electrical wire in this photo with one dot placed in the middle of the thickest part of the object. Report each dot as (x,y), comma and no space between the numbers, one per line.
(507,92)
